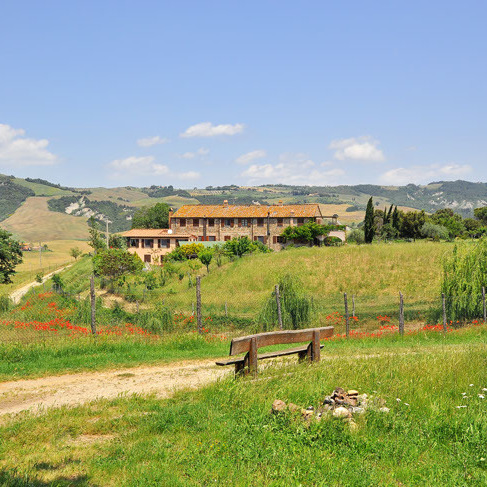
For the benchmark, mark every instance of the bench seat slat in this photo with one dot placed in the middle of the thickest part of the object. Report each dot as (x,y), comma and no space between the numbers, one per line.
(262,356)
(242,344)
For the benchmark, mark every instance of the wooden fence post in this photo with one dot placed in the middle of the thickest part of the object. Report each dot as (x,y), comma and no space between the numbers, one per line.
(278,301)
(483,303)
(198,304)
(226,310)
(347,317)
(443,302)
(401,314)
(93,304)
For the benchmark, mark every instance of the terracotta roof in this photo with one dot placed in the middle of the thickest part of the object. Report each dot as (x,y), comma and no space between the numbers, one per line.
(153,233)
(247,211)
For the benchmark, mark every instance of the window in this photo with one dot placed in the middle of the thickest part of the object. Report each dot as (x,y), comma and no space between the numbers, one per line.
(211,239)
(211,222)
(261,239)
(182,222)
(148,243)
(300,221)
(244,222)
(164,243)
(200,239)
(147,258)
(279,239)
(134,242)
(280,222)
(260,222)
(228,222)
(227,238)
(196,222)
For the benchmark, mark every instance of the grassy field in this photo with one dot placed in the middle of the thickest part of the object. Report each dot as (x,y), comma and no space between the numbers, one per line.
(224,434)
(52,260)
(33,221)
(41,189)
(375,274)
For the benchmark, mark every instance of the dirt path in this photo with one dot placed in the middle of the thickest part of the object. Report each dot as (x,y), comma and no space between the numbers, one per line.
(18,294)
(73,389)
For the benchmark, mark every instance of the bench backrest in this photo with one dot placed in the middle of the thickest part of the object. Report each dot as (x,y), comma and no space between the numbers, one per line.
(242,344)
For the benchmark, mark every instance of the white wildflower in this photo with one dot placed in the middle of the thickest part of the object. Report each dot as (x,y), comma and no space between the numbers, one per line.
(458,407)
(481,396)
(471,385)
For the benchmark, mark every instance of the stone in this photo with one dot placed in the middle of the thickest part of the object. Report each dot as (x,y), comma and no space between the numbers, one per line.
(384,410)
(357,410)
(293,407)
(278,406)
(307,414)
(362,399)
(328,400)
(341,412)
(352,401)
(352,392)
(353,426)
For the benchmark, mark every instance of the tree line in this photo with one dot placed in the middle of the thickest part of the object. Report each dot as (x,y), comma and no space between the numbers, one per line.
(392,224)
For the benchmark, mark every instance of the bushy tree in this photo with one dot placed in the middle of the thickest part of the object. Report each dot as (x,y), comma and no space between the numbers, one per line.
(96,241)
(205,257)
(464,275)
(10,256)
(243,245)
(452,221)
(117,242)
(436,232)
(411,224)
(156,216)
(296,306)
(75,252)
(113,263)
(306,233)
(481,214)
(369,224)
(356,236)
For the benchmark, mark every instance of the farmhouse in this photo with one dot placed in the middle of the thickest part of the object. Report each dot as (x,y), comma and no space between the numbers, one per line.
(263,223)
(151,244)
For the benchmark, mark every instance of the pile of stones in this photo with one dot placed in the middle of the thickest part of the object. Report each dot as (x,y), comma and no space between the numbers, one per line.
(340,404)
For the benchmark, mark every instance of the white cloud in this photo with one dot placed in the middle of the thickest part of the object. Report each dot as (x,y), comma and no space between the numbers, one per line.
(139,165)
(191,155)
(207,129)
(250,156)
(357,148)
(292,169)
(146,166)
(16,150)
(424,174)
(150,141)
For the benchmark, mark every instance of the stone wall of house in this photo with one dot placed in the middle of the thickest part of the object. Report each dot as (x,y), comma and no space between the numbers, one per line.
(255,229)
(152,255)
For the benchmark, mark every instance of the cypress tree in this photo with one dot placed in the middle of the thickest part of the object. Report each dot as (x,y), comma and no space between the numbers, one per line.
(389,215)
(369,227)
(385,219)
(395,219)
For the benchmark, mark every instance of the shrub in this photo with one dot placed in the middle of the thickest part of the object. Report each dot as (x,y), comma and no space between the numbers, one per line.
(436,232)
(356,236)
(464,275)
(296,307)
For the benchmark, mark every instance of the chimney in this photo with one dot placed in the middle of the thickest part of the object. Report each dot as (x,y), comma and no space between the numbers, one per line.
(280,202)
(225,203)
(170,214)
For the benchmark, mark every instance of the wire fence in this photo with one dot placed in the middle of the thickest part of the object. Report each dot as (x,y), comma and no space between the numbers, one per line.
(50,313)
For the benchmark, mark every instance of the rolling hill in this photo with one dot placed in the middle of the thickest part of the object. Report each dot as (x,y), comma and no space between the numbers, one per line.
(35,208)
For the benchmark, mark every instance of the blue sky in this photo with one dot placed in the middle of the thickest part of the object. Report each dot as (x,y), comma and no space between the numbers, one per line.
(197,93)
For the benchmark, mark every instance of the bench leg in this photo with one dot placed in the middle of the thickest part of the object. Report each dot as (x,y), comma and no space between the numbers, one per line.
(239,369)
(253,357)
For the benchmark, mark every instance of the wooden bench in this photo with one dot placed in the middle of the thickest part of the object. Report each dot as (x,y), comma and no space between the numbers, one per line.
(251,343)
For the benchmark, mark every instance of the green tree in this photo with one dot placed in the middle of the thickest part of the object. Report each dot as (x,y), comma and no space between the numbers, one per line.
(205,257)
(307,232)
(117,242)
(156,216)
(10,256)
(411,224)
(75,252)
(481,214)
(113,263)
(452,221)
(96,241)
(396,220)
(369,224)
(436,232)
